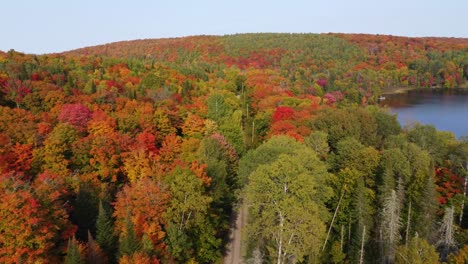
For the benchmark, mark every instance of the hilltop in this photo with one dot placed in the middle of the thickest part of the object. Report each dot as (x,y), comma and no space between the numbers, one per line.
(378,61)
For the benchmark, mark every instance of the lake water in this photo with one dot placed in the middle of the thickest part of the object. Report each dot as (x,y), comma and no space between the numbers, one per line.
(445,109)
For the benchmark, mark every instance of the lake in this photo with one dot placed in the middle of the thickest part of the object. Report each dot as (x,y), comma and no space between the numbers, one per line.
(445,109)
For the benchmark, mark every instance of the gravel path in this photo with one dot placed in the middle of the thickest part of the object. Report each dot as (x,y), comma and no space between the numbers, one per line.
(234,248)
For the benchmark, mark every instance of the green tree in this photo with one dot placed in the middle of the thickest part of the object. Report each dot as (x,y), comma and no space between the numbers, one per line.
(421,190)
(318,141)
(73,253)
(221,105)
(266,153)
(187,211)
(222,161)
(85,211)
(337,255)
(393,166)
(286,207)
(129,242)
(350,153)
(387,124)
(231,128)
(427,138)
(338,124)
(57,149)
(105,231)
(418,251)
(360,218)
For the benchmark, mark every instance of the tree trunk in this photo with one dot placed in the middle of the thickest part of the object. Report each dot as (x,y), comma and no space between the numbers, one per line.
(333,220)
(463,201)
(361,259)
(408,224)
(280,243)
(342,237)
(253,130)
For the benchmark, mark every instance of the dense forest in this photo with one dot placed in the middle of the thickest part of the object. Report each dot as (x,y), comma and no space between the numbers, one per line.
(143,151)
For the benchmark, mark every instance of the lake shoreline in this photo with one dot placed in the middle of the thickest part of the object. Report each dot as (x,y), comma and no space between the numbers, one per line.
(442,108)
(402,90)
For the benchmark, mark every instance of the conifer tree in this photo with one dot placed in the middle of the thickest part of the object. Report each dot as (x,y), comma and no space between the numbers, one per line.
(84,211)
(361,218)
(147,245)
(104,231)
(73,253)
(129,243)
(425,211)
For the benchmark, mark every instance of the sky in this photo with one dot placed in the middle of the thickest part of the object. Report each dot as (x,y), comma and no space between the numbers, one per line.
(47,26)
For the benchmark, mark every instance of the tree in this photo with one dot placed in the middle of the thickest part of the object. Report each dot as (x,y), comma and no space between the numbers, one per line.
(18,124)
(338,124)
(73,253)
(337,255)
(139,163)
(105,231)
(418,251)
(57,149)
(105,147)
(285,209)
(446,242)
(360,218)
(266,153)
(387,124)
(162,122)
(128,242)
(394,166)
(33,220)
(25,230)
(318,141)
(427,138)
(142,203)
(421,191)
(85,211)
(349,153)
(138,258)
(231,128)
(391,224)
(94,252)
(76,115)
(186,211)
(217,107)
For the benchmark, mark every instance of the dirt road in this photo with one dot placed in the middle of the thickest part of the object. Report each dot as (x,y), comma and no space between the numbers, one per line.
(234,247)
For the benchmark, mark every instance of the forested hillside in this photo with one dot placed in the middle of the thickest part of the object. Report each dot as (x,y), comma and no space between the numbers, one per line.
(140,152)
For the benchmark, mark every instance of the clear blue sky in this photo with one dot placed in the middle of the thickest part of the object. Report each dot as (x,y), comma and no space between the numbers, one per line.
(43,26)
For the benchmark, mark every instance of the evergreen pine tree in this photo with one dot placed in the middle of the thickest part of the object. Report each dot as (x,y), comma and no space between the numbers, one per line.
(425,210)
(73,253)
(85,211)
(147,245)
(361,217)
(129,243)
(104,231)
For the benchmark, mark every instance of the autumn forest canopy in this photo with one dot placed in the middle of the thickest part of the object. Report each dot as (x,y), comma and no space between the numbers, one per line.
(144,151)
